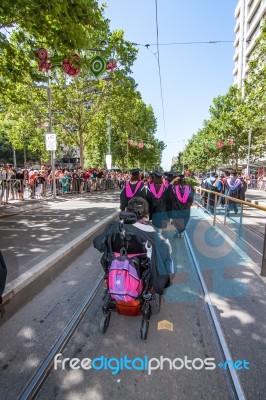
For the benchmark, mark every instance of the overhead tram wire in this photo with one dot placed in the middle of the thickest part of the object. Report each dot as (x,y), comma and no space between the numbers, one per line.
(184,43)
(159,66)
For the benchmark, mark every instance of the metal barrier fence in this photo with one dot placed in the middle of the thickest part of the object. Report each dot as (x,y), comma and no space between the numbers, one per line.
(16,189)
(257,184)
(214,202)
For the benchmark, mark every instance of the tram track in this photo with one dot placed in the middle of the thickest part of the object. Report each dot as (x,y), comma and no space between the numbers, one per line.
(232,382)
(233,385)
(40,376)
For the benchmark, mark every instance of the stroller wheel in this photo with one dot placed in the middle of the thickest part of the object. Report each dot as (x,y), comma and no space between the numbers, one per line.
(104,323)
(144,329)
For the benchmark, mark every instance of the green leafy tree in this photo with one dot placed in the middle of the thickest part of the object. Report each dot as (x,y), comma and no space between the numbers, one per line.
(62,25)
(255,97)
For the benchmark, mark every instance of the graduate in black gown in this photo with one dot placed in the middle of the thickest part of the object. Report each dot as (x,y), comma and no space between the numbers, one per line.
(169,176)
(134,188)
(180,199)
(157,198)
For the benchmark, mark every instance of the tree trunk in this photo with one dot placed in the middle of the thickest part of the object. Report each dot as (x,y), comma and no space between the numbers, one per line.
(24,156)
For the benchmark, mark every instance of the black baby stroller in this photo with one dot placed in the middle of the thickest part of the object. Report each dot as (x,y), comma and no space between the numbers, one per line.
(127,265)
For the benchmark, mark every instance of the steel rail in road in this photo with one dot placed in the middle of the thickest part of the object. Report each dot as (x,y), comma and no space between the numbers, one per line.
(38,379)
(234,388)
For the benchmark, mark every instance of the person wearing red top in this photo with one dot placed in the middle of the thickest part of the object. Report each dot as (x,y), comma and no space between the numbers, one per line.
(86,177)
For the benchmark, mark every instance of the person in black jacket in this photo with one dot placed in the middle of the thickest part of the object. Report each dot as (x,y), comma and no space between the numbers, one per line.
(134,188)
(140,234)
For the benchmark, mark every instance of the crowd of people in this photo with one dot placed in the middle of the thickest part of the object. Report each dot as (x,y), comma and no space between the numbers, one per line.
(30,183)
(229,184)
(167,195)
(257,181)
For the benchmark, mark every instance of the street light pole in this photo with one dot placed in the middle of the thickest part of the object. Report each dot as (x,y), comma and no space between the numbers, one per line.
(14,158)
(108,156)
(109,133)
(50,130)
(183,169)
(127,157)
(249,145)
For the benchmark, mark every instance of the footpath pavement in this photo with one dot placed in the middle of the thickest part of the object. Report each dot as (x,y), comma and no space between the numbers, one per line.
(36,234)
(256,196)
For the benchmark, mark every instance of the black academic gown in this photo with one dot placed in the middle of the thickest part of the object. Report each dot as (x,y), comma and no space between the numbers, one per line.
(141,192)
(179,212)
(158,206)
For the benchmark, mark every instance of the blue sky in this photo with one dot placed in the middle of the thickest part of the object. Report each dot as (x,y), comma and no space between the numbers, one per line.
(192,75)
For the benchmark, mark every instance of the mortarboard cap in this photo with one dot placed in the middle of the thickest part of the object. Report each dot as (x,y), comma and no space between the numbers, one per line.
(169,174)
(158,174)
(135,171)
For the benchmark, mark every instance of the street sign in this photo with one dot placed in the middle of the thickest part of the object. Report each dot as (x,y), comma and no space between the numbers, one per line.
(50,139)
(108,160)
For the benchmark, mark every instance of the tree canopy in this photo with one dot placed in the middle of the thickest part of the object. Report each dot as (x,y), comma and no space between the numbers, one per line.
(223,140)
(80,105)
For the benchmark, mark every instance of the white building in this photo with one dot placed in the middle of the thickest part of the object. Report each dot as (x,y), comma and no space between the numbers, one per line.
(174,160)
(249,15)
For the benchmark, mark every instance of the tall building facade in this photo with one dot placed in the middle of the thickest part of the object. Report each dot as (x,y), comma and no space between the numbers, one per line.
(249,16)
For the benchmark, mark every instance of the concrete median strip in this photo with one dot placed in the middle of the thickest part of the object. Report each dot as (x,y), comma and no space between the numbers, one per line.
(20,283)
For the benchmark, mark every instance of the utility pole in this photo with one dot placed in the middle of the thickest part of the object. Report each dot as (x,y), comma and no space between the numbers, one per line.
(14,158)
(109,133)
(249,146)
(109,156)
(183,157)
(49,93)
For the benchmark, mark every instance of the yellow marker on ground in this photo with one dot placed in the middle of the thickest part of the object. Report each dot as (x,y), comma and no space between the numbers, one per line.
(165,325)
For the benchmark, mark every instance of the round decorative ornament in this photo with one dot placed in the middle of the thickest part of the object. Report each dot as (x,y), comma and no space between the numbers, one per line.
(111,65)
(219,144)
(42,54)
(69,68)
(97,65)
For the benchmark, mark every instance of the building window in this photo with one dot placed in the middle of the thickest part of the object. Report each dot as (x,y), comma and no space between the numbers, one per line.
(254,15)
(254,34)
(250,5)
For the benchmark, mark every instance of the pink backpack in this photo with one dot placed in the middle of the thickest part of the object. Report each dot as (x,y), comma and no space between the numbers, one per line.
(123,280)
